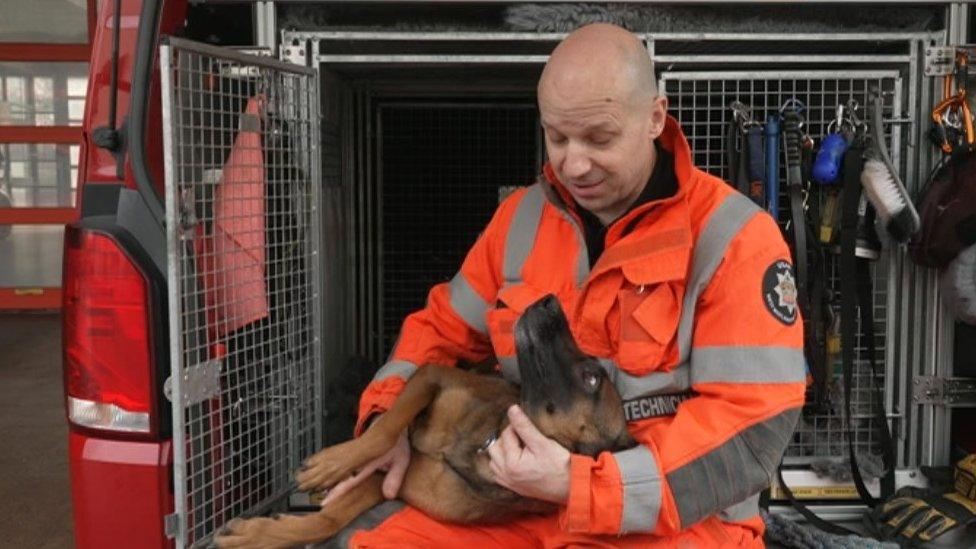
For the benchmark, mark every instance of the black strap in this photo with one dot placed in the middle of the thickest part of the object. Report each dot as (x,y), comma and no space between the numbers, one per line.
(866,302)
(856,292)
(794,182)
(737,156)
(756,164)
(815,327)
(812,517)
(853,163)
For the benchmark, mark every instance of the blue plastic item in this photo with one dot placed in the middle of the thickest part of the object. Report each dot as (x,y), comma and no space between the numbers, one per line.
(826,166)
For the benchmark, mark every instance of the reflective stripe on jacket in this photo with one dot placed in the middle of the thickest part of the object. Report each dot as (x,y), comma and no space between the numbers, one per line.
(692,309)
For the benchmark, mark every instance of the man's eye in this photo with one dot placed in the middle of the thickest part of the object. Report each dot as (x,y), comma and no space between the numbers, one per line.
(557,138)
(601,139)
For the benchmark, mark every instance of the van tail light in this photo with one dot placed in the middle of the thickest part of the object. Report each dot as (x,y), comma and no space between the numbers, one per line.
(108,357)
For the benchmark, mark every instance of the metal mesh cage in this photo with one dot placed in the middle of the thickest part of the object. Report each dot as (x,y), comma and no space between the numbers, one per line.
(701,103)
(443,165)
(241,193)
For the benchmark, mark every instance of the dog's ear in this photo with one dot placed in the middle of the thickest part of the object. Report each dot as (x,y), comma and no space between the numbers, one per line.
(547,354)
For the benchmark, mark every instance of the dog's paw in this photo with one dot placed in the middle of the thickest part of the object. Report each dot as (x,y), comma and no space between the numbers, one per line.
(252,533)
(326,468)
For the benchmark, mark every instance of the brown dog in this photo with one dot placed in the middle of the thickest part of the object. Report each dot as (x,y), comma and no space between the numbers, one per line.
(451,415)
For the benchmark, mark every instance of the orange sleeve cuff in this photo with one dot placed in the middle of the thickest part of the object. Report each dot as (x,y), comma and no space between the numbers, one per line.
(378,397)
(575,517)
(595,500)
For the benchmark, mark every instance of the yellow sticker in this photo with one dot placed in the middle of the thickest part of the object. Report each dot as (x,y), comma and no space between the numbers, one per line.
(817,492)
(28,291)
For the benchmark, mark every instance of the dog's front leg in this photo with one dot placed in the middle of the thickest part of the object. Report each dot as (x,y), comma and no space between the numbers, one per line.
(335,463)
(290,530)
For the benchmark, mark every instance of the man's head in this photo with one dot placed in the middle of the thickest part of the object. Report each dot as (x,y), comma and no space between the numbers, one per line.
(600,110)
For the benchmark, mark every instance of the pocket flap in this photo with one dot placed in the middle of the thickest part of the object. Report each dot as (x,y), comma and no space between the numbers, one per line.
(666,266)
(657,314)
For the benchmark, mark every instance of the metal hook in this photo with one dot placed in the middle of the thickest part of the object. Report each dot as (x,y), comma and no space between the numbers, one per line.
(838,122)
(798,105)
(743,114)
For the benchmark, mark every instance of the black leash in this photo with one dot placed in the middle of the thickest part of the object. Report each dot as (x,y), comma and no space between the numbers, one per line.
(737,155)
(794,180)
(856,297)
(744,154)
(856,292)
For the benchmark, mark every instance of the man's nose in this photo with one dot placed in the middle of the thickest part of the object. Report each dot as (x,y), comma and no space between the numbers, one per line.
(577,163)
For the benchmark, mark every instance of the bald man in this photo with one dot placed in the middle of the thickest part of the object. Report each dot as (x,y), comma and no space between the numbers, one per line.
(680,285)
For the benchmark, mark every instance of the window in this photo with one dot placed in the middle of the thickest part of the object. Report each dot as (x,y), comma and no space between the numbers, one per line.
(42,94)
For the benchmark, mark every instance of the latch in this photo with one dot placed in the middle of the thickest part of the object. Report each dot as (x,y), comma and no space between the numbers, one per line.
(171,526)
(954,392)
(199,383)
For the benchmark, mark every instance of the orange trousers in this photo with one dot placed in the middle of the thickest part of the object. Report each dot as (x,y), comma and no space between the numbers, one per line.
(411,528)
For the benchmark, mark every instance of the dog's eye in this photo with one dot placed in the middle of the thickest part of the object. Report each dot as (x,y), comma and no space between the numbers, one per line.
(591,381)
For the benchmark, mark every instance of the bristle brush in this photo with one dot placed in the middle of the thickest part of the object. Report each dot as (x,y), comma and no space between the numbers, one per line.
(882,185)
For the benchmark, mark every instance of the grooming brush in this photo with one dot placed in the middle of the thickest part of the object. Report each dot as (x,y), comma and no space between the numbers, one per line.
(882,185)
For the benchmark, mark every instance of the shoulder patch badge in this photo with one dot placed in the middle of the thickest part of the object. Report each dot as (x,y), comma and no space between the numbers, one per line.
(779,292)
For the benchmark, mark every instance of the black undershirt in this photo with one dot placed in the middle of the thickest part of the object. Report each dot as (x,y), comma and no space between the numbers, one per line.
(661,184)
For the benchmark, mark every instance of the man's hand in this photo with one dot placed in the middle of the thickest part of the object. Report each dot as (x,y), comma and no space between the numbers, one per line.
(539,469)
(394,462)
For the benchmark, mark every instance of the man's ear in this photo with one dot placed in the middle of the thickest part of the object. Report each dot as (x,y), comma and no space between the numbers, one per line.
(659,115)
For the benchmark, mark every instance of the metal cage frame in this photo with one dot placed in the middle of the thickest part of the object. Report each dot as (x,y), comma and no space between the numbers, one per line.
(242,188)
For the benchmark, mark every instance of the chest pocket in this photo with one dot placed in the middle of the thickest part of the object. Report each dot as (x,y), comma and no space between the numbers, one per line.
(511,303)
(649,305)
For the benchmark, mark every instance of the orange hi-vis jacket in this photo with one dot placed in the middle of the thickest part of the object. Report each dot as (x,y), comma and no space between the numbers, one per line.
(691,308)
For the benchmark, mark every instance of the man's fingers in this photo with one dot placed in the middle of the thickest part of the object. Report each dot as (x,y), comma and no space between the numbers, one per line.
(340,489)
(495,452)
(351,482)
(394,478)
(498,476)
(525,429)
(510,443)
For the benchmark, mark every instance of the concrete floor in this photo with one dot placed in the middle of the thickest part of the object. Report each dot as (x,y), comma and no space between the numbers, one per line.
(35,507)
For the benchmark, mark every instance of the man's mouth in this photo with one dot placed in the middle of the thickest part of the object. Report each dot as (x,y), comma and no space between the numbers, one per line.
(586,190)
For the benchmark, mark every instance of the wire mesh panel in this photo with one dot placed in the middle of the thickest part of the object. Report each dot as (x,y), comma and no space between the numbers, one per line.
(241,155)
(701,103)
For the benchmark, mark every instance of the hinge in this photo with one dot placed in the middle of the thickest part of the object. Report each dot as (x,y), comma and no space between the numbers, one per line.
(955,392)
(199,383)
(171,526)
(939,60)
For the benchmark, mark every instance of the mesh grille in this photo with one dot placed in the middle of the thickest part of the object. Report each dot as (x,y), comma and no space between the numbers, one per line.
(243,265)
(701,103)
(443,167)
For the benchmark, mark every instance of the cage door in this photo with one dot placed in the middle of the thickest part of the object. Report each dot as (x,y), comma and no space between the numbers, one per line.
(241,151)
